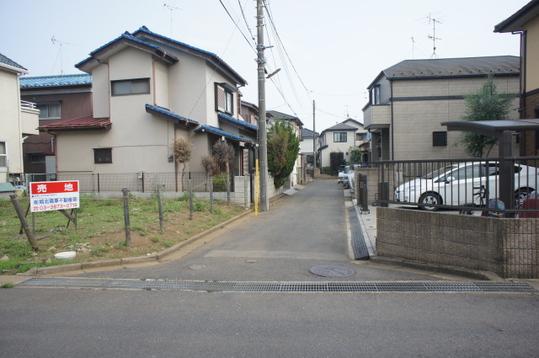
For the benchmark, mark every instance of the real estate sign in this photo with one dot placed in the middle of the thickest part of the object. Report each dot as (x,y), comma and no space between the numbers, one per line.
(54,195)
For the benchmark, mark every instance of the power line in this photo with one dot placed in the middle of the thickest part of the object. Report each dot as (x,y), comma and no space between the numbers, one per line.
(237,26)
(282,45)
(245,21)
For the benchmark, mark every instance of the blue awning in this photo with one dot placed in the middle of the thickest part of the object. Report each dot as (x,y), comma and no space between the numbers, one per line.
(167,113)
(218,131)
(237,122)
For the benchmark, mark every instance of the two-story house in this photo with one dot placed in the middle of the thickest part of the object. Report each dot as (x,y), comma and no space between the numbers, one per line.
(308,137)
(337,142)
(409,101)
(148,90)
(18,120)
(525,22)
(67,97)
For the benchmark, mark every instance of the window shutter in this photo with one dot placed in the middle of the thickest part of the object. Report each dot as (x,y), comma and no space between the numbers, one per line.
(220,98)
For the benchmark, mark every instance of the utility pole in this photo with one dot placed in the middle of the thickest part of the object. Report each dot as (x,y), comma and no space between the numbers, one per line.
(262,134)
(314,138)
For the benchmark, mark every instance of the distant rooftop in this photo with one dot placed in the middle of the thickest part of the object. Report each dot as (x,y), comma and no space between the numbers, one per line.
(453,67)
(6,61)
(284,116)
(31,82)
(307,133)
(340,127)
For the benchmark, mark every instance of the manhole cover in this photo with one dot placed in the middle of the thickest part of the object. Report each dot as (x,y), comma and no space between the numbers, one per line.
(332,270)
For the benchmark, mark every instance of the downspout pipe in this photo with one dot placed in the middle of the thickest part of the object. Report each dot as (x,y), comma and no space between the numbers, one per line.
(392,129)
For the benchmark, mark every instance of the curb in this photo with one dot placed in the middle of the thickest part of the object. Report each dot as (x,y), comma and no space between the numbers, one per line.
(133,259)
(451,270)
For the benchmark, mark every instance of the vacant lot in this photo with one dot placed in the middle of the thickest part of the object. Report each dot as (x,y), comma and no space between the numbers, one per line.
(100,232)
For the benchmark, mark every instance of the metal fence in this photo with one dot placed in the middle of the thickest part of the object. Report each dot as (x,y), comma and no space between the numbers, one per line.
(498,186)
(139,182)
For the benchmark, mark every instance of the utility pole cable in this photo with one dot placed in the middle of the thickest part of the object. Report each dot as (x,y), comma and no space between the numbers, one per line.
(262,134)
(314,138)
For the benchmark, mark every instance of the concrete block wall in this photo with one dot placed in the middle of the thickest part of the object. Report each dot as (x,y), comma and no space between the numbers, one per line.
(508,247)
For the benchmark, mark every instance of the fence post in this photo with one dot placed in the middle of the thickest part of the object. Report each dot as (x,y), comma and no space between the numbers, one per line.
(160,207)
(98,184)
(125,193)
(245,197)
(211,193)
(228,187)
(142,177)
(190,197)
(29,234)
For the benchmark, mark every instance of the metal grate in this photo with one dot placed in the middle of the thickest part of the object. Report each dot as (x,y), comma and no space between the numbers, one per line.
(359,247)
(286,286)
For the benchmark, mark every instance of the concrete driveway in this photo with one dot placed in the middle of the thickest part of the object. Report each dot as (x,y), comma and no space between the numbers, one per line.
(300,231)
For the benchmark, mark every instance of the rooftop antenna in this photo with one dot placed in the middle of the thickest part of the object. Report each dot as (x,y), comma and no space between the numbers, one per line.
(347,111)
(433,37)
(171,9)
(60,44)
(413,46)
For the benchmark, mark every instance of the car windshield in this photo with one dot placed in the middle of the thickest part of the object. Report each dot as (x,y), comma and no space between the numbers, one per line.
(437,173)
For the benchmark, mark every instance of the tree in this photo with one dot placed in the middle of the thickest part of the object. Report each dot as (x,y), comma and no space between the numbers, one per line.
(223,154)
(283,149)
(210,167)
(356,156)
(486,104)
(182,154)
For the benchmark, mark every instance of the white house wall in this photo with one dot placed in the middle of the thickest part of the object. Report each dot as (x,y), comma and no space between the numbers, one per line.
(10,120)
(101,91)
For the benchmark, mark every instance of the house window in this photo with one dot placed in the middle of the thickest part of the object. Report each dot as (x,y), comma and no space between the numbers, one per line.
(102,155)
(130,87)
(439,139)
(224,99)
(3,154)
(49,110)
(339,137)
(375,95)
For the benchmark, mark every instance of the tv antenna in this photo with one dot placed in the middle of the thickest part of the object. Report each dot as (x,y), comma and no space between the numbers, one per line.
(413,46)
(433,37)
(171,9)
(59,55)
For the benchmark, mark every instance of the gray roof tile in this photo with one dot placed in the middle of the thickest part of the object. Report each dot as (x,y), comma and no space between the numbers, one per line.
(7,61)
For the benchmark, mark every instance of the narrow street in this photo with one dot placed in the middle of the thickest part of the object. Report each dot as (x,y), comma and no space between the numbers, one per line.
(306,229)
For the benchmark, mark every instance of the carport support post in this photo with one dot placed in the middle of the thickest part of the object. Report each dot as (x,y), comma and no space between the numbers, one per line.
(506,169)
(125,193)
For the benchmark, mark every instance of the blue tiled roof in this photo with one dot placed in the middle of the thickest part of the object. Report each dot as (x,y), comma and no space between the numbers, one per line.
(7,61)
(150,108)
(207,54)
(228,118)
(79,79)
(126,36)
(220,132)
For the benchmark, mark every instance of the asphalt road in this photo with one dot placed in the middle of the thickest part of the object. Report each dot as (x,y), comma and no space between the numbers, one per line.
(115,323)
(299,232)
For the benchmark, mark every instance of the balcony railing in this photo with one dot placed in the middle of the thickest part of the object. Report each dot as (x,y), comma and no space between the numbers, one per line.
(28,105)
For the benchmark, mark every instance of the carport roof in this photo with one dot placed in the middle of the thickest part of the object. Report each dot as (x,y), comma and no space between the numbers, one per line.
(492,127)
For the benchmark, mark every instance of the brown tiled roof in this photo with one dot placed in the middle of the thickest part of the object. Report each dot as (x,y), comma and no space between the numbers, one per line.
(75,124)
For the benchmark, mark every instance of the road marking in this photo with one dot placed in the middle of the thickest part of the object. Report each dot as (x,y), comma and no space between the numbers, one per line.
(265,254)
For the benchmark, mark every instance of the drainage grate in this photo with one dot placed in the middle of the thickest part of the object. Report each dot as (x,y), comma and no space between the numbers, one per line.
(359,246)
(285,286)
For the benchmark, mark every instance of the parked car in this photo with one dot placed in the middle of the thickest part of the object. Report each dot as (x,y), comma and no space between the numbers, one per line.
(343,172)
(350,177)
(465,184)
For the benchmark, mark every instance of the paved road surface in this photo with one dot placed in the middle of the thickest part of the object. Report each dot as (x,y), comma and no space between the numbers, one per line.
(300,231)
(96,323)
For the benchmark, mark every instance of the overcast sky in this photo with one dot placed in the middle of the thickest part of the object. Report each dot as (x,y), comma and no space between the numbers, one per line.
(337,47)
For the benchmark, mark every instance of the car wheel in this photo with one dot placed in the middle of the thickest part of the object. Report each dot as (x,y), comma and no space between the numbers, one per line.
(430,201)
(521,195)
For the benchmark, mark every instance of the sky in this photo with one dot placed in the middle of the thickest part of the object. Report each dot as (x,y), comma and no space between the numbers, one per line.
(336,47)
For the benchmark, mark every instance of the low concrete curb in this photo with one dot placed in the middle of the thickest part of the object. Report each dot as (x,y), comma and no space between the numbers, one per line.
(451,270)
(131,260)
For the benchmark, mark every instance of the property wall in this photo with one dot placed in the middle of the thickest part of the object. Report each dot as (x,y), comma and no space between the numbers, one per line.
(10,121)
(415,119)
(532,54)
(508,247)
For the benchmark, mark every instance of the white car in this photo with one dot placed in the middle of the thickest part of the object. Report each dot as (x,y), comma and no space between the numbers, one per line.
(343,174)
(465,184)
